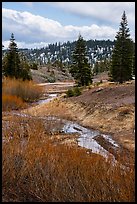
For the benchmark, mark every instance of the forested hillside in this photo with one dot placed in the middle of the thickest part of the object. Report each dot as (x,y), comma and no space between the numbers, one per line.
(96,50)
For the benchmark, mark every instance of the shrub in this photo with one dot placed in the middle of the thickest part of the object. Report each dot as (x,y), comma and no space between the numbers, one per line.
(70,93)
(77,91)
(26,90)
(73,92)
(10,102)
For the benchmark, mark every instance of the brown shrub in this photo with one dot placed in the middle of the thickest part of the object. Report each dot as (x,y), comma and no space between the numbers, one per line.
(27,90)
(10,102)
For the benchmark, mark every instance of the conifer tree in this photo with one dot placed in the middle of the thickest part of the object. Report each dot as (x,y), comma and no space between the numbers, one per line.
(80,68)
(96,68)
(122,56)
(12,63)
(133,71)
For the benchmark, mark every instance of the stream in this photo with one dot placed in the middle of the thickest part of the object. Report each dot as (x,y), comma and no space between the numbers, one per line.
(86,137)
(50,97)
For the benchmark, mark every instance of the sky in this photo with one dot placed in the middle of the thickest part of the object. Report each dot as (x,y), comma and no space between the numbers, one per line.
(36,24)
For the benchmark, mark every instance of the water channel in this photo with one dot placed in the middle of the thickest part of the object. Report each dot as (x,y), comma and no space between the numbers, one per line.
(86,137)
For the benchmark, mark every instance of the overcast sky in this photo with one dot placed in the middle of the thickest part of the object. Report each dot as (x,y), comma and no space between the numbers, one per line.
(36,24)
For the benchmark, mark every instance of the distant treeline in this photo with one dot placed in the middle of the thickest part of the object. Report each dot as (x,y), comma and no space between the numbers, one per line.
(97,50)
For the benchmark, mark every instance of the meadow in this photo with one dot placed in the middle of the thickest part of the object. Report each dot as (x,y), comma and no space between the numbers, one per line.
(35,168)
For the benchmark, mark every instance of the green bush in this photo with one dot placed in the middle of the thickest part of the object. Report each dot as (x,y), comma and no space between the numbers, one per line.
(77,91)
(73,92)
(70,93)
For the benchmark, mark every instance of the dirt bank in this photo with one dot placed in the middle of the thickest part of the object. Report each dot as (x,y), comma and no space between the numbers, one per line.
(109,108)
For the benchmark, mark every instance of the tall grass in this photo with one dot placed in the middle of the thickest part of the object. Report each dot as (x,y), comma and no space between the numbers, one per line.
(12,102)
(27,90)
(36,170)
(16,92)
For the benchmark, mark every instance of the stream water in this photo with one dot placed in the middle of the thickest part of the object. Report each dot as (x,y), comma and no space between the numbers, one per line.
(86,137)
(50,97)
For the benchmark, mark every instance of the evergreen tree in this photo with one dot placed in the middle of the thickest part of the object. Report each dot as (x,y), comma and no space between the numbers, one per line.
(96,68)
(25,67)
(12,63)
(133,71)
(80,68)
(122,56)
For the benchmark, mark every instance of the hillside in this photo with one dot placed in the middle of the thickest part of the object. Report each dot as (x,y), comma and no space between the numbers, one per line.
(96,50)
(109,108)
(50,73)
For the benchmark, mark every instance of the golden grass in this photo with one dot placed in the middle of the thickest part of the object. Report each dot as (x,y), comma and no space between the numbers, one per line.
(36,170)
(55,108)
(27,90)
(106,119)
(103,118)
(10,102)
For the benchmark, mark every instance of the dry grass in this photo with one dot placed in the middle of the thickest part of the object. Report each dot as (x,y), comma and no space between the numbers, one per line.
(26,90)
(117,122)
(54,108)
(36,170)
(10,102)
(103,118)
(36,167)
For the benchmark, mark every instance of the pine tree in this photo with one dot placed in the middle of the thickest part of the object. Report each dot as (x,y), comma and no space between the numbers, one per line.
(96,68)
(80,68)
(133,71)
(122,56)
(25,67)
(12,63)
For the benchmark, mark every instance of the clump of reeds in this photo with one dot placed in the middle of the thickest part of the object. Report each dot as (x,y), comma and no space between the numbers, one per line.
(14,91)
(12,102)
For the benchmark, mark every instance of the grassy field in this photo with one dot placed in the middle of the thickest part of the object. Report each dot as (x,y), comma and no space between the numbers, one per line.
(38,167)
